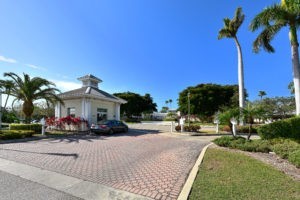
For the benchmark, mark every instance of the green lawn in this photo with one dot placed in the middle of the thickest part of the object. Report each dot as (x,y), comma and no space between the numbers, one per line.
(227,175)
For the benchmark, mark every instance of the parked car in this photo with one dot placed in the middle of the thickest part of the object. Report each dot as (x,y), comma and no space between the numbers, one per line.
(109,126)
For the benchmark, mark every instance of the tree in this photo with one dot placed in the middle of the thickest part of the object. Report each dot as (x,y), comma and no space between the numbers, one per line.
(6,86)
(271,20)
(136,104)
(170,102)
(28,90)
(205,99)
(164,109)
(230,30)
(261,94)
(251,112)
(291,88)
(226,116)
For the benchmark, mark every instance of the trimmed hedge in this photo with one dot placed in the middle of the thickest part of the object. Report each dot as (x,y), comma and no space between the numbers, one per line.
(37,128)
(288,128)
(191,128)
(15,134)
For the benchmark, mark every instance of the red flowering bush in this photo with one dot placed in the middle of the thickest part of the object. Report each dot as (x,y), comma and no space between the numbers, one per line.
(61,123)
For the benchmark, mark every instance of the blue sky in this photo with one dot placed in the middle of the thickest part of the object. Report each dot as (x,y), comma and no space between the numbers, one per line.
(144,46)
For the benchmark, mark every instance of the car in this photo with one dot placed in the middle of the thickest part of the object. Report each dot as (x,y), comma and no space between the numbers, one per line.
(109,127)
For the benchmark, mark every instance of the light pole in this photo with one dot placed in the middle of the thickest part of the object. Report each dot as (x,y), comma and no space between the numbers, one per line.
(189,107)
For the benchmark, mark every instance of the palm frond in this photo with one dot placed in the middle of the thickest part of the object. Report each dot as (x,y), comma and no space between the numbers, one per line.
(265,37)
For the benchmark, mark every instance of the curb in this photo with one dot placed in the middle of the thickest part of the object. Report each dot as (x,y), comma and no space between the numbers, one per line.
(184,194)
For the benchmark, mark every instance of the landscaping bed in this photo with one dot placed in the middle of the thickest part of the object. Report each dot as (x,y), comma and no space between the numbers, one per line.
(231,175)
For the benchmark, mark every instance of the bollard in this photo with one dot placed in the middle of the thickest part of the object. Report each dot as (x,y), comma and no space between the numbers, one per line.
(43,126)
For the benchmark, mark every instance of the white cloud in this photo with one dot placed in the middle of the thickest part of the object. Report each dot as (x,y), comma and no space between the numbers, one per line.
(8,60)
(35,67)
(66,85)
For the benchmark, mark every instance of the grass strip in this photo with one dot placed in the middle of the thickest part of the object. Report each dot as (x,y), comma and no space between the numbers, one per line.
(229,175)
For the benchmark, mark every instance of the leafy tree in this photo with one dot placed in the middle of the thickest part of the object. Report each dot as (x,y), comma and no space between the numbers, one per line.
(207,99)
(164,109)
(277,107)
(28,90)
(136,104)
(261,94)
(230,29)
(271,20)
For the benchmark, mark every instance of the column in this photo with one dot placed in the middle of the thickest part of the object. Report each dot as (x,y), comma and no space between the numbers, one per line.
(117,111)
(58,110)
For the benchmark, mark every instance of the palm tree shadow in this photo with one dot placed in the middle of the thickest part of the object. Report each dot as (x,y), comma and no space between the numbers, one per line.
(74,138)
(74,155)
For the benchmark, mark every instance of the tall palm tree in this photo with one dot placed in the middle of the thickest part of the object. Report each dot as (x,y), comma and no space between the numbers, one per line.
(230,29)
(170,102)
(261,94)
(272,19)
(28,90)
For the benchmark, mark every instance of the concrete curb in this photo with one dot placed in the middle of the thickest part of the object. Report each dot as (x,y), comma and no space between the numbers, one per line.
(70,185)
(184,194)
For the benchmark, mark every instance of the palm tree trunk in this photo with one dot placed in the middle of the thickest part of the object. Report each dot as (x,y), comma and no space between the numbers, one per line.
(240,77)
(296,67)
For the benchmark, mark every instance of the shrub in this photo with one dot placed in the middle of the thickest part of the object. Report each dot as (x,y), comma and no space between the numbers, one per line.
(191,128)
(243,144)
(37,128)
(286,148)
(256,146)
(223,141)
(225,128)
(177,128)
(15,134)
(288,128)
(294,158)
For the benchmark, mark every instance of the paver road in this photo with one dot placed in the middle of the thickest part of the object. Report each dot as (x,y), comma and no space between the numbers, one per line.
(149,164)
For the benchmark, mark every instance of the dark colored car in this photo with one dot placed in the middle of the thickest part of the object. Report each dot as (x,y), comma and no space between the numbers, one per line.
(109,126)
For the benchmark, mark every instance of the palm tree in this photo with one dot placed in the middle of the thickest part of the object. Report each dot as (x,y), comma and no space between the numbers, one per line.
(170,102)
(6,87)
(261,94)
(272,19)
(291,88)
(230,29)
(28,90)
(251,112)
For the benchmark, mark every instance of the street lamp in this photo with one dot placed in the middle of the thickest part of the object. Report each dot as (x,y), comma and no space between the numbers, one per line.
(189,107)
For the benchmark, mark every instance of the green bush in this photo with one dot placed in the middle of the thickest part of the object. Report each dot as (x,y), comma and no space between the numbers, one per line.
(286,148)
(225,128)
(223,141)
(256,146)
(294,158)
(243,144)
(37,128)
(288,128)
(15,134)
(191,128)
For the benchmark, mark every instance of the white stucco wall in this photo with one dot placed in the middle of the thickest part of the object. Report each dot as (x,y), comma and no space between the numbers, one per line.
(76,103)
(110,106)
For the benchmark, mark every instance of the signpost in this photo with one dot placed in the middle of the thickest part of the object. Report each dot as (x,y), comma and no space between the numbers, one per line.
(234,123)
(43,122)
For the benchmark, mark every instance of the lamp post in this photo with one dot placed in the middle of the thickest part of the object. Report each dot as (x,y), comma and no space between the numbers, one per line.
(189,107)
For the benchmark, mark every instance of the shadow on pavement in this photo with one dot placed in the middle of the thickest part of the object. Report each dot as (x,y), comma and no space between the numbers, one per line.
(74,155)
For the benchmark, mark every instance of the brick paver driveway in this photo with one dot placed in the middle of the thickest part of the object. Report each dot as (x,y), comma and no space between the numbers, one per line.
(149,164)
